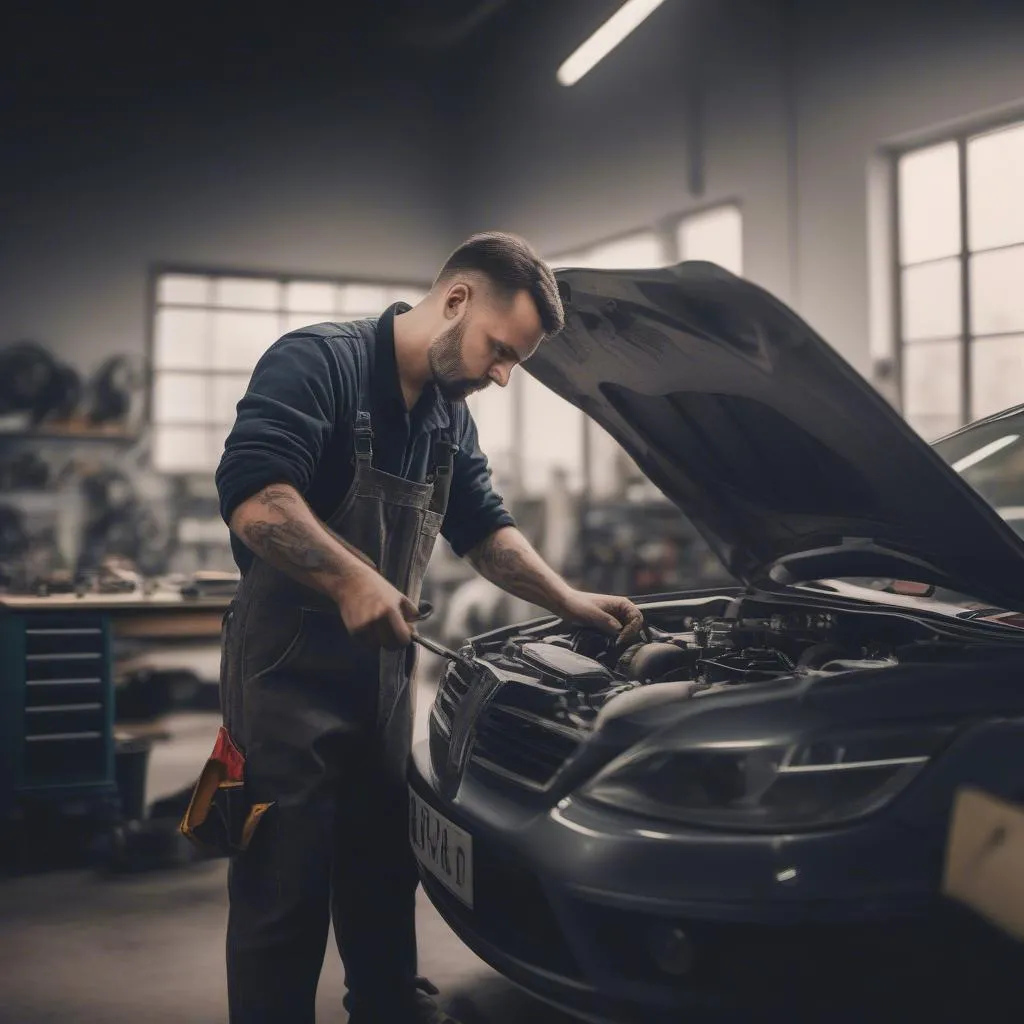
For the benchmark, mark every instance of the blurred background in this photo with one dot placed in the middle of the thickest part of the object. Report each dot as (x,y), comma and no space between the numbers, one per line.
(181,185)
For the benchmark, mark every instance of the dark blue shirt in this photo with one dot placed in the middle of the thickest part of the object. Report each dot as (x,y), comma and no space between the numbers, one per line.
(294,425)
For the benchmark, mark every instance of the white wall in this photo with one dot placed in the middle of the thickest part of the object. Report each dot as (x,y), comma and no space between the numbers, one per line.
(567,167)
(872,73)
(303,183)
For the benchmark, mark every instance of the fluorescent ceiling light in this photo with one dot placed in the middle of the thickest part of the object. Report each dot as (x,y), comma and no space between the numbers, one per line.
(985,452)
(605,39)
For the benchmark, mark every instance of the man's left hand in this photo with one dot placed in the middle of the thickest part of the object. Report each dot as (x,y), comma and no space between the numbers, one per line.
(607,612)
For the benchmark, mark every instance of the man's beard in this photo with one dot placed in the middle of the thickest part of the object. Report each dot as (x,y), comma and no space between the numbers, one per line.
(449,371)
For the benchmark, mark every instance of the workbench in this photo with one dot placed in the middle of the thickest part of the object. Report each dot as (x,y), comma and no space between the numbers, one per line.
(57,684)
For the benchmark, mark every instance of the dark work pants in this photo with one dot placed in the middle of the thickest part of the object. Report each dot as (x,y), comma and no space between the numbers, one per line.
(341,852)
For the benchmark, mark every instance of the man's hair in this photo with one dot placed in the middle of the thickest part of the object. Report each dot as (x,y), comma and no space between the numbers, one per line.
(510,265)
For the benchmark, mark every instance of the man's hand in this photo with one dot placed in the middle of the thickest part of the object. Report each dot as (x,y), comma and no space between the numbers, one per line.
(508,560)
(606,612)
(375,611)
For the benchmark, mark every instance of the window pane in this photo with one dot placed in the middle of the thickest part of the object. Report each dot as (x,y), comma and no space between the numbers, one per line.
(226,393)
(931,300)
(929,203)
(402,294)
(931,387)
(181,449)
(181,339)
(635,252)
(492,411)
(605,456)
(997,291)
(185,289)
(360,300)
(309,296)
(552,437)
(997,374)
(179,397)
(995,171)
(239,339)
(215,437)
(716,236)
(247,293)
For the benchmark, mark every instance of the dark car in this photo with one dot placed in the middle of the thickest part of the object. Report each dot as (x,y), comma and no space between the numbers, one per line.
(769,771)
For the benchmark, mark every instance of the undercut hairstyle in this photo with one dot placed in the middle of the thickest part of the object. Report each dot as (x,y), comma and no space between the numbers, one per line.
(511,266)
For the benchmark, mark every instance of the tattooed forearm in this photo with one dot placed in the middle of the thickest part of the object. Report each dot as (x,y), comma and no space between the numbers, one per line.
(281,500)
(278,526)
(507,559)
(293,544)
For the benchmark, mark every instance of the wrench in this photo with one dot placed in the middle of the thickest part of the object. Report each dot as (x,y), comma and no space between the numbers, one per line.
(425,610)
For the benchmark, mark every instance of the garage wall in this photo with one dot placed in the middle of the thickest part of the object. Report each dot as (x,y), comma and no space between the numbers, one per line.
(569,167)
(293,180)
(800,95)
(871,73)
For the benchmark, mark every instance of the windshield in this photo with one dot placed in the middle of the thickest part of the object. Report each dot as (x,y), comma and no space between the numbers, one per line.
(990,457)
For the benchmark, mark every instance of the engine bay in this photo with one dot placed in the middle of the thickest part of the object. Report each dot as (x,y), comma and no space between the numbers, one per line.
(572,673)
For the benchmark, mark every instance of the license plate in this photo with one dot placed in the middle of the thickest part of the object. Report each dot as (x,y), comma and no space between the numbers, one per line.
(444,849)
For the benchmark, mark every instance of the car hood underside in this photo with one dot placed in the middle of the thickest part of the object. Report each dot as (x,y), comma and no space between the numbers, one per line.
(786,460)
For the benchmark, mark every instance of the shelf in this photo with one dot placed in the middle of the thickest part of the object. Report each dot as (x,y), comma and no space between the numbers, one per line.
(70,435)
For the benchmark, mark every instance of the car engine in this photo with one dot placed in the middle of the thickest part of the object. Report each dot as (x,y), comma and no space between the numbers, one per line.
(550,684)
(708,652)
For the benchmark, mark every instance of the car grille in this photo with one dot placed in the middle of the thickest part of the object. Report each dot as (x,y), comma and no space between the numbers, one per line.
(522,746)
(449,695)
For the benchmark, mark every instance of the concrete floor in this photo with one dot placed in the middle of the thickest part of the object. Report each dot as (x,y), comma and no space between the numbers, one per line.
(80,948)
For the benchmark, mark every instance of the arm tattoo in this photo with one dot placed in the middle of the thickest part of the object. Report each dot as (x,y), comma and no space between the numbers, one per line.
(278,499)
(292,545)
(500,563)
(507,560)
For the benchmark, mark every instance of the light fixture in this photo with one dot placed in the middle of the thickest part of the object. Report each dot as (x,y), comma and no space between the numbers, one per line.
(605,39)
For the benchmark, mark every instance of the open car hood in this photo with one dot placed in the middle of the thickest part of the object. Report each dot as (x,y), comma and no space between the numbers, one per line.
(787,461)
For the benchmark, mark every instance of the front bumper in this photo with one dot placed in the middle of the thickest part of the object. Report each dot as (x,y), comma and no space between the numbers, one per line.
(575,905)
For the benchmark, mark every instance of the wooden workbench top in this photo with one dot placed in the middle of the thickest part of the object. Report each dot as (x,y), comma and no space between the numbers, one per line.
(166,601)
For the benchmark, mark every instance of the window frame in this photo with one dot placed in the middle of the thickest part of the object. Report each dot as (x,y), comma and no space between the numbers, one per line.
(151,372)
(965,337)
(667,230)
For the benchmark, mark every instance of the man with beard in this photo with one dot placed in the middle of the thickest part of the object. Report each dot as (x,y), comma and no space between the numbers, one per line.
(352,449)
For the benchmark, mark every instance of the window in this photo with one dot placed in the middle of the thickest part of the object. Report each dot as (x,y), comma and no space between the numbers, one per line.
(544,414)
(208,334)
(960,268)
(715,235)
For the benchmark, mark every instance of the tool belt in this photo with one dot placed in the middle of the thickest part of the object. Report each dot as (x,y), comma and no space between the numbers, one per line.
(220,818)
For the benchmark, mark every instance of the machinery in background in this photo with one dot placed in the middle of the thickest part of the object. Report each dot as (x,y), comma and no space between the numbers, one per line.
(639,548)
(35,386)
(37,389)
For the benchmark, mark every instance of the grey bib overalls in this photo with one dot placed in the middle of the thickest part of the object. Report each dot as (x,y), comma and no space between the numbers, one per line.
(325,723)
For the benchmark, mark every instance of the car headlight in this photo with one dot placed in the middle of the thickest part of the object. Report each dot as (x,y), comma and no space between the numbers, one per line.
(827,779)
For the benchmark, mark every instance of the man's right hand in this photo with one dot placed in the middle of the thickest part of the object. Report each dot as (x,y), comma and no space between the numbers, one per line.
(375,611)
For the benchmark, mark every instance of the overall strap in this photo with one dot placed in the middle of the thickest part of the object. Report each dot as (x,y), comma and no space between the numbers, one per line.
(363,440)
(442,464)
(362,426)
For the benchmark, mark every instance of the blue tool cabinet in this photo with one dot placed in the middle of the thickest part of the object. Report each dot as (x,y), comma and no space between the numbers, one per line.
(56,707)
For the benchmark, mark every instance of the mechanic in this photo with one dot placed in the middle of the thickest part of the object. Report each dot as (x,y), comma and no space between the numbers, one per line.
(352,448)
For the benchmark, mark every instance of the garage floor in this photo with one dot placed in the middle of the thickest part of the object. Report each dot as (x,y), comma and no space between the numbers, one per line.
(77,948)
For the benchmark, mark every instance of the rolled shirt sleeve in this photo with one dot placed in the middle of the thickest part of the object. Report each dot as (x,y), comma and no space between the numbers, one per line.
(283,421)
(475,508)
